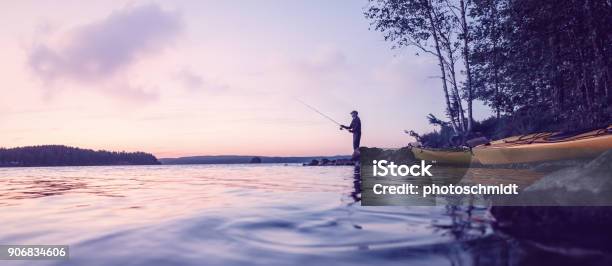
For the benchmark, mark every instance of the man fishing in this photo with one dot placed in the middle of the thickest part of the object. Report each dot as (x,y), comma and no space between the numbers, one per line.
(355,128)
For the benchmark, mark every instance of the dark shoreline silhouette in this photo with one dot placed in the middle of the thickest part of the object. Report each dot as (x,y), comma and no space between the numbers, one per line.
(60,155)
(240,159)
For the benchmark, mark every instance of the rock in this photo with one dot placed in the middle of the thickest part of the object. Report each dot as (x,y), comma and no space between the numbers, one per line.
(586,185)
(579,211)
(255,160)
(477,141)
(344,162)
(314,162)
(399,156)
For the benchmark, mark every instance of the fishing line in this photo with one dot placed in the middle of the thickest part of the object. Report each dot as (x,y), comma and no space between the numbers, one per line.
(319,112)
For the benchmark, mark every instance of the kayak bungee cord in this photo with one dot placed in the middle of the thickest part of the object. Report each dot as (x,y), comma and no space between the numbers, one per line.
(579,136)
(549,137)
(528,138)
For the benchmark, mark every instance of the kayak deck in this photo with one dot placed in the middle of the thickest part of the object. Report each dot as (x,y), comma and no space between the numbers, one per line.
(543,147)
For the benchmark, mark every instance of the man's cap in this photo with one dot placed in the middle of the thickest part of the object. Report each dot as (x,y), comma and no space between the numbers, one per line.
(354,112)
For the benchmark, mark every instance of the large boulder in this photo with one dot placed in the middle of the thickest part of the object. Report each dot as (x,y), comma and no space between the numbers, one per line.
(579,211)
(589,184)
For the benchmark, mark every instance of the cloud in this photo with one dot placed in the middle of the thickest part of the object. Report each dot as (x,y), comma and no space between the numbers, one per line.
(321,69)
(100,50)
(322,61)
(190,80)
(193,81)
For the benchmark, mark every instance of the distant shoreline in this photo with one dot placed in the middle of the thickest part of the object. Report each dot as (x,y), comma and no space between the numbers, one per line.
(60,155)
(245,159)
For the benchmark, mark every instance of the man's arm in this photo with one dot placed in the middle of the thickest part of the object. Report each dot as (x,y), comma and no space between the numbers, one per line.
(352,126)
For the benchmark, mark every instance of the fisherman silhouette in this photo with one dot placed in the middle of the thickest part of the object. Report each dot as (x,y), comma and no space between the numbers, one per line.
(355,128)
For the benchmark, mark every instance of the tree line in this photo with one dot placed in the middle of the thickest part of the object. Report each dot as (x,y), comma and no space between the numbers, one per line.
(538,64)
(58,155)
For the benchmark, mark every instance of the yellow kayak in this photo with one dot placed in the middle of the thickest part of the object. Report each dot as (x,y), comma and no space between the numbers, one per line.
(441,156)
(544,147)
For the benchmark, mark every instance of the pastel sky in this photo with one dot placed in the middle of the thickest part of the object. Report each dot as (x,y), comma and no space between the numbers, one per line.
(178,78)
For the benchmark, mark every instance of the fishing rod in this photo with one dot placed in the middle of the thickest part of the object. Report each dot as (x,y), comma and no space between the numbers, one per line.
(319,112)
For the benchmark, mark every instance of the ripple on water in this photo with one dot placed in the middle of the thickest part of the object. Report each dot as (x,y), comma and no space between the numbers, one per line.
(227,215)
(338,229)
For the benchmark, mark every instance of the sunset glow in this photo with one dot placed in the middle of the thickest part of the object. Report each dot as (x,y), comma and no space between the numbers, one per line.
(196,77)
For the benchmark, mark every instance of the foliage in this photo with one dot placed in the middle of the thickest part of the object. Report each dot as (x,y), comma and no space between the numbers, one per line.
(541,65)
(434,27)
(58,155)
(545,60)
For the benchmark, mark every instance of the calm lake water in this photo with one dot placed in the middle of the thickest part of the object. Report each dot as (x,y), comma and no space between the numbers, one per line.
(239,215)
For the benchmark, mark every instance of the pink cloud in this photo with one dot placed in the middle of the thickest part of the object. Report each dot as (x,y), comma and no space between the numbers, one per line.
(194,81)
(98,51)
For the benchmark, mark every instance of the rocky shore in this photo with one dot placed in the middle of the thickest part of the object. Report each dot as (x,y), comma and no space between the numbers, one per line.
(328,162)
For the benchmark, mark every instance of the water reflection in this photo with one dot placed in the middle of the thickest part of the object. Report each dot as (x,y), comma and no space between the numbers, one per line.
(356,192)
(238,215)
(24,189)
(476,242)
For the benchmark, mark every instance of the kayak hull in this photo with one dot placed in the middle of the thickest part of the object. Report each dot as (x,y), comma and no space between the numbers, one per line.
(503,153)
